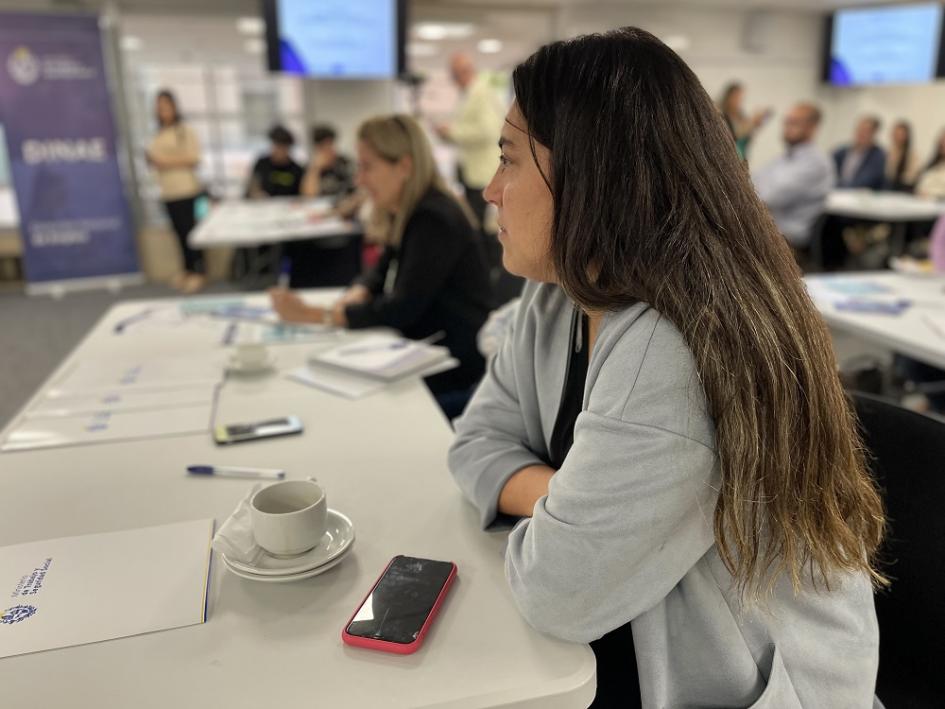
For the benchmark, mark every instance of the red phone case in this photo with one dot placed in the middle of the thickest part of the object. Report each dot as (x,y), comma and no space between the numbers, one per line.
(386,645)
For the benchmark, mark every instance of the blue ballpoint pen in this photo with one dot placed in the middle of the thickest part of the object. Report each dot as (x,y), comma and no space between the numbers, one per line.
(284,273)
(233,472)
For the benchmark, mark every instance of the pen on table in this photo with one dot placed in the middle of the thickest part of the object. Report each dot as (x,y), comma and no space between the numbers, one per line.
(284,273)
(233,472)
(122,324)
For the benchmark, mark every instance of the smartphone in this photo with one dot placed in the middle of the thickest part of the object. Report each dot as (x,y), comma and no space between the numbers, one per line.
(400,608)
(239,432)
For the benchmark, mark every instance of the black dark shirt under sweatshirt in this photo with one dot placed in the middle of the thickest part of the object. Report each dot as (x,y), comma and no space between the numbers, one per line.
(282,180)
(436,280)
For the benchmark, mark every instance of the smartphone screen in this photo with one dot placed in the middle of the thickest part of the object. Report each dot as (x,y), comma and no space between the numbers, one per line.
(262,429)
(401,601)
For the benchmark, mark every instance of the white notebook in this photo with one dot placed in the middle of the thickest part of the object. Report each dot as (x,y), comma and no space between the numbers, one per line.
(77,590)
(383,357)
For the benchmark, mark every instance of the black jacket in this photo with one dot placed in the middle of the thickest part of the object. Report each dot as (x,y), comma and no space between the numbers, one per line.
(441,284)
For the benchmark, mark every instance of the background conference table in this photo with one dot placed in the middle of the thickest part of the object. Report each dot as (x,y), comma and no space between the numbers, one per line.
(256,222)
(919,331)
(382,460)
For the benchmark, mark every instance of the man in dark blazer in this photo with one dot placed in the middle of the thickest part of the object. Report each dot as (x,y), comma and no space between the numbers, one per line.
(862,165)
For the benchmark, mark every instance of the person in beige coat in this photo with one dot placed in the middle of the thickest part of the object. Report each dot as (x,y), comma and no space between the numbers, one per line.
(174,154)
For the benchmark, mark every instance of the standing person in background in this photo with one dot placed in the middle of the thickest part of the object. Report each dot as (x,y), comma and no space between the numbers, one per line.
(329,173)
(902,166)
(276,174)
(795,185)
(862,164)
(931,182)
(174,154)
(742,126)
(475,130)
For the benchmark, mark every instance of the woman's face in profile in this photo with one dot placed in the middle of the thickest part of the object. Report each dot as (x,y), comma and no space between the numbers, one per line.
(380,178)
(524,202)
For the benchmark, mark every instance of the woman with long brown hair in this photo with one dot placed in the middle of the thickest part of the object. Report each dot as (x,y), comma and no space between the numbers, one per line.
(665,417)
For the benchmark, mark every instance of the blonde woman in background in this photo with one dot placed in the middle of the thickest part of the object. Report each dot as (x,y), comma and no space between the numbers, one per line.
(174,154)
(432,275)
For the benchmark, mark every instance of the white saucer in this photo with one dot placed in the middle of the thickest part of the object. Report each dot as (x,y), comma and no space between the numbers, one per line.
(286,578)
(237,367)
(339,536)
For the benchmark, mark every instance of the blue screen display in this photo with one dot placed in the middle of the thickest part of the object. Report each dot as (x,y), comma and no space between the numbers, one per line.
(887,45)
(338,39)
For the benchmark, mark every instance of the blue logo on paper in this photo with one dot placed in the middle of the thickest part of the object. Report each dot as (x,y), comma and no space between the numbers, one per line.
(16,614)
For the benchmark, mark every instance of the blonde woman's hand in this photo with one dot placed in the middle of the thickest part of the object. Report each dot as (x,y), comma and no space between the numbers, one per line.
(291,308)
(355,295)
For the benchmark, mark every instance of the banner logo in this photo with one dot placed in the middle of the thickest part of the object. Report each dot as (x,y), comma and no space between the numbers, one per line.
(23,66)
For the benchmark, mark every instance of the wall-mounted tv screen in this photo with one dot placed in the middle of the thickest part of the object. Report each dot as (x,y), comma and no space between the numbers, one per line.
(336,39)
(896,44)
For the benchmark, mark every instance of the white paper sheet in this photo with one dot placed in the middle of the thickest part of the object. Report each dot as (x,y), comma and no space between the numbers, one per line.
(117,401)
(77,590)
(336,382)
(104,427)
(94,377)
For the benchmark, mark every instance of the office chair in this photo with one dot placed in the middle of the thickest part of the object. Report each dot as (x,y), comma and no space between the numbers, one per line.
(908,460)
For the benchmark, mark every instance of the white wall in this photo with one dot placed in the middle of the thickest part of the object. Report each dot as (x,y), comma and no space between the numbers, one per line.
(777,55)
(344,104)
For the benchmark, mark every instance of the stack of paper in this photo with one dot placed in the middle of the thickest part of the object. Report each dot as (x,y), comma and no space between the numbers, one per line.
(383,357)
(363,367)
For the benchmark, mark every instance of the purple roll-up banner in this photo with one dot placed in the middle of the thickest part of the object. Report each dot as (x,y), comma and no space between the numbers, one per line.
(56,112)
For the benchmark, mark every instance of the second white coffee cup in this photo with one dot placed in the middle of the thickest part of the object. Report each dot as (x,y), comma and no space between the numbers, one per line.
(251,355)
(289,517)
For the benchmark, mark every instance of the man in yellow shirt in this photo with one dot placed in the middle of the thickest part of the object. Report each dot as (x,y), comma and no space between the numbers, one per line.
(475,132)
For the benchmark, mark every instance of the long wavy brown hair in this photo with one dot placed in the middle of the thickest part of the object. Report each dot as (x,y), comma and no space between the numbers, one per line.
(652,204)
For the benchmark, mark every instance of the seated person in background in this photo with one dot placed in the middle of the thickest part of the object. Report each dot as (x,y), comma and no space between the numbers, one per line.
(902,166)
(862,165)
(665,417)
(795,185)
(329,173)
(431,276)
(931,182)
(276,174)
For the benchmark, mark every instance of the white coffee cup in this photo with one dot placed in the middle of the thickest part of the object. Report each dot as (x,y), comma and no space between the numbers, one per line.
(289,517)
(251,355)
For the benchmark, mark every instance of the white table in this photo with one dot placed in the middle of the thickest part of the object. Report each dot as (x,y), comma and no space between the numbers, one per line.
(893,207)
(255,222)
(383,462)
(918,332)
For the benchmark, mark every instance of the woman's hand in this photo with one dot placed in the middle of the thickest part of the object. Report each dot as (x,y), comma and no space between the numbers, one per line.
(291,308)
(355,295)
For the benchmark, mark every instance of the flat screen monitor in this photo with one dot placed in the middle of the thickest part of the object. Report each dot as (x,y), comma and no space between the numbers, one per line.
(336,39)
(898,44)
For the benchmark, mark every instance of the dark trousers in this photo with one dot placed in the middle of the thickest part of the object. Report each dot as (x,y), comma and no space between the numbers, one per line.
(181,214)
